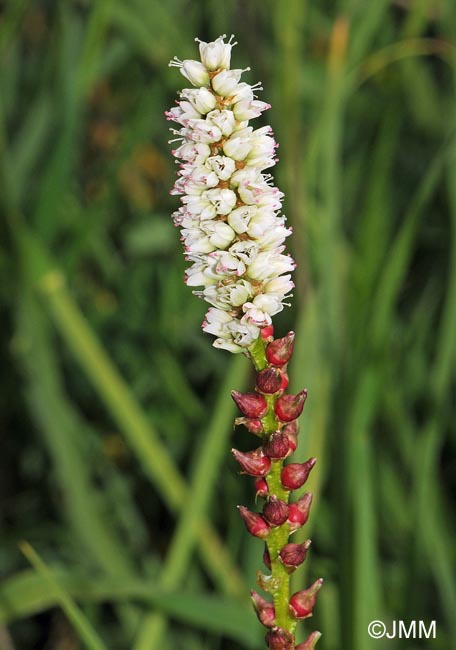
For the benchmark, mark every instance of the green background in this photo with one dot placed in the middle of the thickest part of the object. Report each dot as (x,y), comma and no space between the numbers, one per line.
(115,409)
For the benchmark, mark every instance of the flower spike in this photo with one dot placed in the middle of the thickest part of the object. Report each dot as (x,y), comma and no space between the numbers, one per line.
(233,235)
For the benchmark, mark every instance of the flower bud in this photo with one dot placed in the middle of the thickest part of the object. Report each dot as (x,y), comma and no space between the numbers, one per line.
(253,463)
(310,642)
(275,511)
(303,602)
(292,555)
(289,407)
(261,488)
(250,404)
(279,639)
(299,511)
(254,523)
(269,381)
(264,610)
(295,475)
(277,446)
(266,557)
(267,333)
(279,351)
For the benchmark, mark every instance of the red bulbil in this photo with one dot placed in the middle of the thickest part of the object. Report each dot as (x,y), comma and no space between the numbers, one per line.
(294,475)
(254,523)
(275,511)
(292,555)
(289,407)
(261,487)
(269,381)
(299,511)
(310,642)
(252,425)
(277,446)
(279,352)
(251,405)
(253,463)
(303,602)
(264,609)
(279,639)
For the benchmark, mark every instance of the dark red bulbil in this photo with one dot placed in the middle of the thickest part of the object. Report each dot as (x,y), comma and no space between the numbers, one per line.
(303,602)
(255,524)
(299,511)
(253,463)
(269,381)
(279,352)
(251,405)
(292,555)
(279,639)
(264,609)
(289,407)
(295,475)
(277,446)
(275,511)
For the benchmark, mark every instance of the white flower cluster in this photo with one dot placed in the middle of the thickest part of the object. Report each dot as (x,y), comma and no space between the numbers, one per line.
(231,228)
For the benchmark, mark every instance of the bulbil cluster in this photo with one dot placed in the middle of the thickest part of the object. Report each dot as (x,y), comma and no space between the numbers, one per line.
(230,224)
(272,415)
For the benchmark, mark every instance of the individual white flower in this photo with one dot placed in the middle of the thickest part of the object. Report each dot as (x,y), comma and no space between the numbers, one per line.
(224,120)
(240,218)
(216,321)
(192,152)
(222,166)
(217,54)
(247,109)
(237,146)
(223,200)
(202,99)
(200,130)
(269,264)
(227,296)
(220,234)
(194,71)
(281,285)
(225,82)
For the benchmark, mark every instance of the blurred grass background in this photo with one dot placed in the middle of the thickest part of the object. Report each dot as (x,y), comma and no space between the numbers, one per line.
(115,409)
